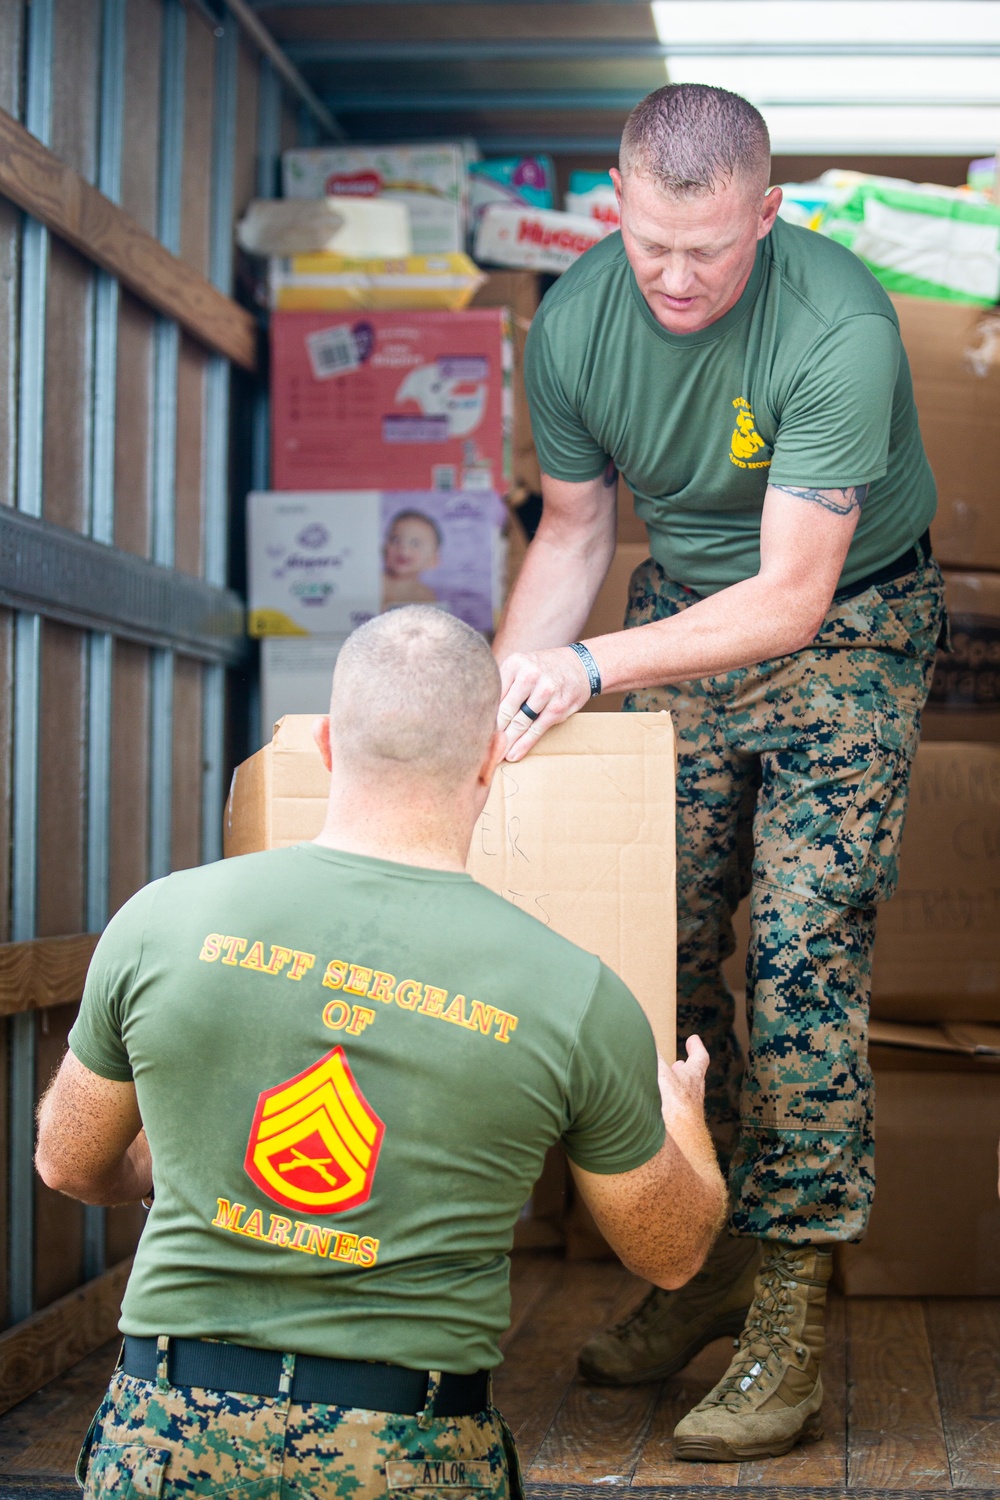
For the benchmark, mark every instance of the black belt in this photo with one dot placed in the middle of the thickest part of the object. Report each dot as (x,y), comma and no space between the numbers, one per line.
(907,562)
(335,1382)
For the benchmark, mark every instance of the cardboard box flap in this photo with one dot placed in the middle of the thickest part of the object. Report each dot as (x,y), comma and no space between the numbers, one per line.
(580,834)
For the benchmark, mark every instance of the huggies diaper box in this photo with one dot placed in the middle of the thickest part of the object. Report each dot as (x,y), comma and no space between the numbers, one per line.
(391,400)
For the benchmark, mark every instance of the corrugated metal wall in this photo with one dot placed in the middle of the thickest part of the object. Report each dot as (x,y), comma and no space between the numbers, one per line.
(116,424)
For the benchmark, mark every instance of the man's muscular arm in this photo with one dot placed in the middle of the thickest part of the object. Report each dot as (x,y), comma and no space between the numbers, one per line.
(804,539)
(564,567)
(91,1144)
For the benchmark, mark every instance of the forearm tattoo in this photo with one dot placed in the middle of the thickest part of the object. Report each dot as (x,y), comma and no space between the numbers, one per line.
(610,474)
(841,502)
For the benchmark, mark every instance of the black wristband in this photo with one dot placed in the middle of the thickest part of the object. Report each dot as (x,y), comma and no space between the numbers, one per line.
(593,672)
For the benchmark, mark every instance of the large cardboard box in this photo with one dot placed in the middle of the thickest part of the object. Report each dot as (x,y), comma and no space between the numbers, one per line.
(954,354)
(580,834)
(935,1224)
(964,703)
(937,945)
(391,400)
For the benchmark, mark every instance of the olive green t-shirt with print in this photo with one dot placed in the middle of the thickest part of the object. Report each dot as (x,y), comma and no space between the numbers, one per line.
(349,1072)
(804,382)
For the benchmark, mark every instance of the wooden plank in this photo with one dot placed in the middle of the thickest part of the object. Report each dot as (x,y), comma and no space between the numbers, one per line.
(598,1431)
(62,779)
(657,1464)
(49,1342)
(199,88)
(133,425)
(69,350)
(44,972)
(540,1361)
(965,1345)
(42,1435)
(37,181)
(895,1439)
(825,1462)
(189,480)
(188,759)
(533,1274)
(129,773)
(143,37)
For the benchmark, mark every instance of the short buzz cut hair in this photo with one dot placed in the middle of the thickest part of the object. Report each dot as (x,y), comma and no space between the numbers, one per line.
(688,137)
(415,691)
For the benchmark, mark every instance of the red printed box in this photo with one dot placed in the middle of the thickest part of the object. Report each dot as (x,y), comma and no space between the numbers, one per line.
(391,400)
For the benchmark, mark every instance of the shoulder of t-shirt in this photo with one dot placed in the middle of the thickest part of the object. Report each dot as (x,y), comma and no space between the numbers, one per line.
(604,263)
(828,281)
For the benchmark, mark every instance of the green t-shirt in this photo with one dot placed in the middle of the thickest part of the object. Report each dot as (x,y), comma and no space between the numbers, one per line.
(803,382)
(349,1072)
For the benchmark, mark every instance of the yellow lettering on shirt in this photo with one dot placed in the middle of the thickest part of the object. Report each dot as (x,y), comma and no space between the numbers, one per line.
(456,1012)
(233,946)
(505,1025)
(361,1017)
(318,1240)
(482,1016)
(367,1251)
(211,948)
(408,992)
(433,1001)
(382,987)
(345,1247)
(336,1014)
(279,958)
(301,964)
(255,959)
(228,1215)
(254,1226)
(278,1232)
(336,973)
(358,980)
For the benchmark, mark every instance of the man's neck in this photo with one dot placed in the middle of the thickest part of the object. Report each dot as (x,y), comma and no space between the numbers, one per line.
(398,829)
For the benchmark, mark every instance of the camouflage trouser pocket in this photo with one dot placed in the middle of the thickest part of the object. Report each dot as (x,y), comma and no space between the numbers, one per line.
(861,868)
(125,1471)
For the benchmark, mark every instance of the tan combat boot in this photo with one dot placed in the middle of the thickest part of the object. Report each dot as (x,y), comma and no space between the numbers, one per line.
(769,1398)
(667,1329)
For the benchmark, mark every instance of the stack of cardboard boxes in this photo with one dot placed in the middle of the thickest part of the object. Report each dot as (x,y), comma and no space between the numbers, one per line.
(398,417)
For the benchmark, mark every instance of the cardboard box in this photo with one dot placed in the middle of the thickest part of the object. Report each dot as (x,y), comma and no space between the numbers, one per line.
(520,292)
(964,703)
(536,238)
(391,400)
(935,1224)
(954,353)
(324,563)
(937,944)
(430,179)
(580,834)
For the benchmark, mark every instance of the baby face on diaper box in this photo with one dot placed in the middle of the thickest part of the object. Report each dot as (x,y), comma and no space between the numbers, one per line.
(391,400)
(320,564)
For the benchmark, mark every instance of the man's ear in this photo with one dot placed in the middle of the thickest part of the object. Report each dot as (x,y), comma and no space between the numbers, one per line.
(769,212)
(616,178)
(494,755)
(321,734)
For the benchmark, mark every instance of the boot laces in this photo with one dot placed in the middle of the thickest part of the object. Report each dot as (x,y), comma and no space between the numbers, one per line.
(763,1336)
(640,1316)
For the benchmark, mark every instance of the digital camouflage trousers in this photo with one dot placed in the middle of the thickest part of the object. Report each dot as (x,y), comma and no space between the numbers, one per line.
(792,786)
(156,1440)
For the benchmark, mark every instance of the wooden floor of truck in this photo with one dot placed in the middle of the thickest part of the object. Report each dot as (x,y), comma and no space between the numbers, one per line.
(912,1404)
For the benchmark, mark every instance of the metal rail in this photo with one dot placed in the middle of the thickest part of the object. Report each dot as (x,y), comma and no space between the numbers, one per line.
(573,49)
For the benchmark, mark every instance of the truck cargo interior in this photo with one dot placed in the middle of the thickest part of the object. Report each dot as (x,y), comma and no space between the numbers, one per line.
(267,272)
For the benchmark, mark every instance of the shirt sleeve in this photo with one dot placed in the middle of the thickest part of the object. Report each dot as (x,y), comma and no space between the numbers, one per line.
(566,449)
(615,1120)
(834,426)
(96,1037)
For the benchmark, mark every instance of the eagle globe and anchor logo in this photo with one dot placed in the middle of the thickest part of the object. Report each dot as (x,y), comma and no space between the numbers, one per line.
(746,441)
(315,1140)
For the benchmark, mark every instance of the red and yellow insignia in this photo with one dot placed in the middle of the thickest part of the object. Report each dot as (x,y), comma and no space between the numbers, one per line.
(315,1140)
